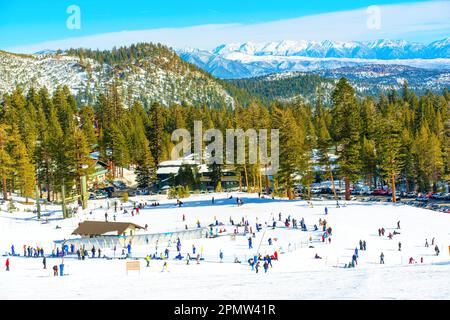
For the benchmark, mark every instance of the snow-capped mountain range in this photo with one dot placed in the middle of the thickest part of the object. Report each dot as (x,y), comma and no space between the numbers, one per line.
(249,59)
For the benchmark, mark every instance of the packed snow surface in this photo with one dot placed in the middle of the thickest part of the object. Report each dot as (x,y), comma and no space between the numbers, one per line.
(297,275)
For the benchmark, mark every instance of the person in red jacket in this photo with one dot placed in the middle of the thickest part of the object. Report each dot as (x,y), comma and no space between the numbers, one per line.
(7,264)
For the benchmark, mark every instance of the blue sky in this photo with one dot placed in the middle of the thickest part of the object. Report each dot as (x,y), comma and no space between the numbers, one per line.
(29,25)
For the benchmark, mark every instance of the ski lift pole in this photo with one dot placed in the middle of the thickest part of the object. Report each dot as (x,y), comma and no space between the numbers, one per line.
(261,242)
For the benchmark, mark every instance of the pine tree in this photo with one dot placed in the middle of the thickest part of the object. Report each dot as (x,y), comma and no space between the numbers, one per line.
(347,130)
(5,159)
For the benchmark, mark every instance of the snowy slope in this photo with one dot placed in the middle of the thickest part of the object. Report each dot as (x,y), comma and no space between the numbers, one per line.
(295,276)
(150,78)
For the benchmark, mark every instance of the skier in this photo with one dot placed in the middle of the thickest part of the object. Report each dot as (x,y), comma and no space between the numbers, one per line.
(355,259)
(270,241)
(212,200)
(106,216)
(7,264)
(198,258)
(55,270)
(166,253)
(398,225)
(356,252)
(360,245)
(379,232)
(399,246)
(436,249)
(221,256)
(147,258)
(129,248)
(193,249)
(266,266)
(426,243)
(13,252)
(382,258)
(364,245)
(165,266)
(250,246)
(326,210)
(44,262)
(99,252)
(257,267)
(432,241)
(184,217)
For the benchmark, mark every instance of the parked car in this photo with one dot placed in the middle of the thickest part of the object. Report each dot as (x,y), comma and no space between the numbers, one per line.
(380,192)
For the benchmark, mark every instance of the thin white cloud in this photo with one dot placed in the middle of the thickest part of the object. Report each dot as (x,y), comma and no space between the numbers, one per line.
(420,21)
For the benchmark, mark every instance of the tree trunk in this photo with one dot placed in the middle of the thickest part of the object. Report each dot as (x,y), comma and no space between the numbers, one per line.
(240,182)
(246,176)
(332,183)
(347,188)
(394,200)
(5,190)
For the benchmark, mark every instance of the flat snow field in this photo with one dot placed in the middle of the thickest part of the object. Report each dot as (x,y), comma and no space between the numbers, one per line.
(297,275)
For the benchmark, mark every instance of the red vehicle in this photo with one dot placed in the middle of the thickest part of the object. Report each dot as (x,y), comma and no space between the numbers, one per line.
(380,192)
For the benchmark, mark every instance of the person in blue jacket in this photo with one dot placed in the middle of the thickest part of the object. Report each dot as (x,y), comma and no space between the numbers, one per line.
(326,210)
(250,246)
(356,252)
(13,252)
(221,256)
(270,241)
(129,248)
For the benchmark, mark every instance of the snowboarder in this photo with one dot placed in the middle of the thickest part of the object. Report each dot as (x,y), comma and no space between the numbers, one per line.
(382,258)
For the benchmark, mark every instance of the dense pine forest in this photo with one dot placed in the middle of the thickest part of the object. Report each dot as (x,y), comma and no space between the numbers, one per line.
(46,140)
